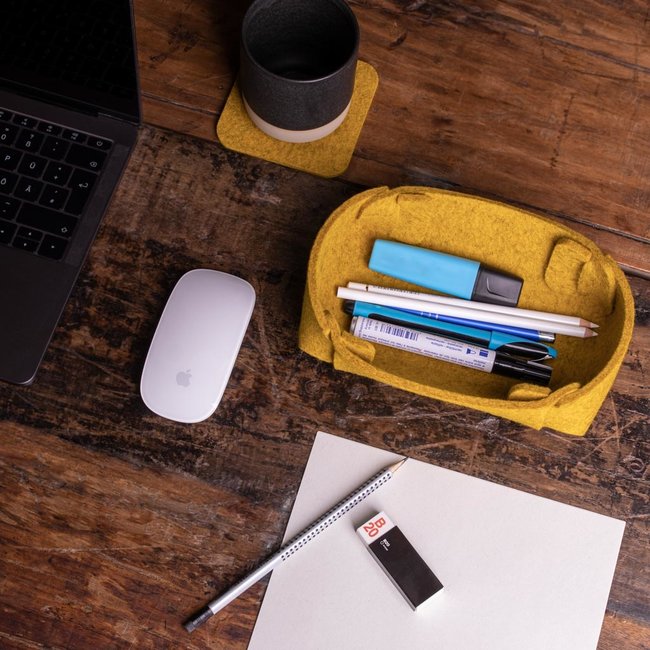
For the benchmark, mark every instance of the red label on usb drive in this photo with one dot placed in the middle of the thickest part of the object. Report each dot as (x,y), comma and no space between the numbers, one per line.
(373,526)
(379,524)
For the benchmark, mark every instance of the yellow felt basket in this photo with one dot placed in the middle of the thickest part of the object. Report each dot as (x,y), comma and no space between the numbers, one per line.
(563,272)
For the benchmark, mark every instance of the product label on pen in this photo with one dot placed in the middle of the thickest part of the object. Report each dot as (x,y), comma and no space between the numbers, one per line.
(423,343)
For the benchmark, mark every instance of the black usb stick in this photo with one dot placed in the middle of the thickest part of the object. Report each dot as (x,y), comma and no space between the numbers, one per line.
(400,561)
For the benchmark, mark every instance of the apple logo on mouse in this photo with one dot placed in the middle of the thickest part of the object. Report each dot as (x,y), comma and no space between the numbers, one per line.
(183,378)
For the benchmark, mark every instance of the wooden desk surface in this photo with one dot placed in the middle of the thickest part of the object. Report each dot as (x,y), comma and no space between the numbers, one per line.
(116,524)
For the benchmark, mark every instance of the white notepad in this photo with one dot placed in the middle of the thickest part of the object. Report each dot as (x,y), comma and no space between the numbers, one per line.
(520,572)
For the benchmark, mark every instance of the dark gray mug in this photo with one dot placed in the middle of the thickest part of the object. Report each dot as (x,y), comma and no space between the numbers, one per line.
(297,66)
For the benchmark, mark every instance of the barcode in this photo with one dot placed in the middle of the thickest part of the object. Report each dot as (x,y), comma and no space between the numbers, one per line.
(398,331)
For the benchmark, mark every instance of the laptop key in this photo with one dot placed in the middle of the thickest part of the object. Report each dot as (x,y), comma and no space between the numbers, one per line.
(7,182)
(28,189)
(32,165)
(8,133)
(47,220)
(75,136)
(57,173)
(5,115)
(7,231)
(29,140)
(81,184)
(29,233)
(99,143)
(50,129)
(9,207)
(54,148)
(54,197)
(25,244)
(52,247)
(9,158)
(85,157)
(23,120)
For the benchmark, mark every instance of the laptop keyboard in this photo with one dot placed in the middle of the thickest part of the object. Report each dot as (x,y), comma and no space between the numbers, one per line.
(47,173)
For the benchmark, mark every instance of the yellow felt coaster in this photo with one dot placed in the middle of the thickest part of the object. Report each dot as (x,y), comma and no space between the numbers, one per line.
(328,157)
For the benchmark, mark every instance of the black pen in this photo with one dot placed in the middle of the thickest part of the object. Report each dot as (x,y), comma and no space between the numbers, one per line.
(450,350)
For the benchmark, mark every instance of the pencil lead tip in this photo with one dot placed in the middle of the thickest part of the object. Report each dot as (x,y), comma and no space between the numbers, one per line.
(395,466)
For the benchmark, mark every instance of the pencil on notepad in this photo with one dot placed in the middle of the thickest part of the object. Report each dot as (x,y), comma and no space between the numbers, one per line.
(428,309)
(295,544)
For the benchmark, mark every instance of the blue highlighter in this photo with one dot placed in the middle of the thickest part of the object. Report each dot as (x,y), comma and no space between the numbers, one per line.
(455,276)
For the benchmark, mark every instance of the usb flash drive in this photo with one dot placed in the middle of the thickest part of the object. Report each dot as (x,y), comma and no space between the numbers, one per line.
(399,560)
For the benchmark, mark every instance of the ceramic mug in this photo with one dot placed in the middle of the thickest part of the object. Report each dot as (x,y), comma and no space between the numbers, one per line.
(297,66)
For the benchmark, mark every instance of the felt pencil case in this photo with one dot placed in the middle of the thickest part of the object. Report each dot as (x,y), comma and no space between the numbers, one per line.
(563,272)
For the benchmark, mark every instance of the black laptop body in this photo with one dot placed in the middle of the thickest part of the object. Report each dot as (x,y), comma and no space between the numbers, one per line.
(69,117)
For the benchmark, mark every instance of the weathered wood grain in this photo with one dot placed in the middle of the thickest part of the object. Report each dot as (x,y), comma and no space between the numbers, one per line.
(116,524)
(541,104)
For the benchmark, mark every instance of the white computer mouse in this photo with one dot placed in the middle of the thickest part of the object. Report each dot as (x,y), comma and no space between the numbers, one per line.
(195,345)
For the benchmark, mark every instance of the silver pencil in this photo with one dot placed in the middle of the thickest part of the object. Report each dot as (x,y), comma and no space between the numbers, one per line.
(294,545)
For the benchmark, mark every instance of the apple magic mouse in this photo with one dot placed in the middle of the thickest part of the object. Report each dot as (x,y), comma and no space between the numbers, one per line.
(195,345)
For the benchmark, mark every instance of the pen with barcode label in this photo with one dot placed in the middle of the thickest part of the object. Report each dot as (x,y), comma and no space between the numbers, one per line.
(444,349)
(296,543)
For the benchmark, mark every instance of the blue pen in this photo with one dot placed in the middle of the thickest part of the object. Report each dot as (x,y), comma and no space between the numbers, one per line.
(493,340)
(522,332)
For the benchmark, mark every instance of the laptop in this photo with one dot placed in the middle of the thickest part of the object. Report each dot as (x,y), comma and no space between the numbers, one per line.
(69,117)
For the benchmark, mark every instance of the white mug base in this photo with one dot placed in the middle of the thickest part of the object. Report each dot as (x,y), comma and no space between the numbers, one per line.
(287,135)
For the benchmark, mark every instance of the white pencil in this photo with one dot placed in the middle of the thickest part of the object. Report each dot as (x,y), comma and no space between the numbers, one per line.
(428,309)
(295,544)
(472,304)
